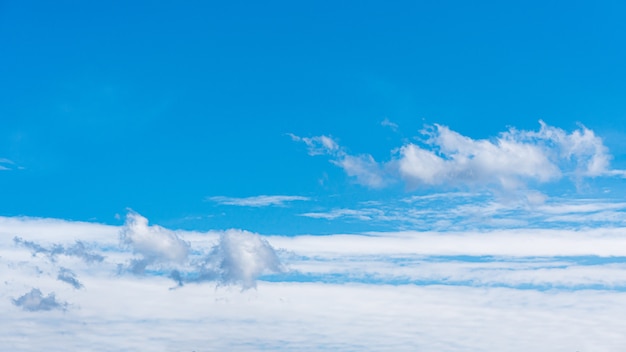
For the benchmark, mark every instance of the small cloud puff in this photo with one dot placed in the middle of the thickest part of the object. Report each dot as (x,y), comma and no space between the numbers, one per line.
(242,256)
(35,301)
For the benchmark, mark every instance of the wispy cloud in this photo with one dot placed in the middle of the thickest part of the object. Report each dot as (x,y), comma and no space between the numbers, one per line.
(461,211)
(362,168)
(360,214)
(6,164)
(387,123)
(78,249)
(257,201)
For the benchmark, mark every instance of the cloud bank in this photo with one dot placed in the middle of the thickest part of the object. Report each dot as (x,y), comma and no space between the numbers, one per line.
(560,286)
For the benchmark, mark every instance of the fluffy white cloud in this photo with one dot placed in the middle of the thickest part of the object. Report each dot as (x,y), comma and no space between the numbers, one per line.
(154,243)
(447,159)
(257,201)
(241,257)
(509,160)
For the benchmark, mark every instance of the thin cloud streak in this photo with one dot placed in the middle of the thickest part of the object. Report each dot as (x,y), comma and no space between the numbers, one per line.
(257,201)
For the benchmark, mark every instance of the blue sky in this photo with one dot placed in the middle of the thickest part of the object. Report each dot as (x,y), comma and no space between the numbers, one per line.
(156,106)
(471,154)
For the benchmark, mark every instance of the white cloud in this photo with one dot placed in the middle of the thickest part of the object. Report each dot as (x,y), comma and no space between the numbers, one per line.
(562,288)
(360,214)
(387,123)
(365,170)
(447,159)
(6,164)
(362,168)
(459,160)
(582,147)
(257,201)
(154,243)
(241,257)
(318,145)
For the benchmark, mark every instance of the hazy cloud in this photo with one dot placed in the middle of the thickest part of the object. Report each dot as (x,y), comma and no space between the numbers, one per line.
(257,201)
(387,123)
(6,164)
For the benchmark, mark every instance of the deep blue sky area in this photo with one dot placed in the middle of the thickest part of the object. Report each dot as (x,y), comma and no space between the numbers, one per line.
(157,105)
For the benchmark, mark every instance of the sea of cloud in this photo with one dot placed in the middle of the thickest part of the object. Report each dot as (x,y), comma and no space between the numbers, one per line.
(87,286)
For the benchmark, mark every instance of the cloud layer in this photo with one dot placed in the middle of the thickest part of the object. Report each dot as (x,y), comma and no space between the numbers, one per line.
(564,287)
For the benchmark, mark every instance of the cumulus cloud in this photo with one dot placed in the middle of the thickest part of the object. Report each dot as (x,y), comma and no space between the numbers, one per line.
(509,161)
(35,301)
(154,244)
(445,158)
(240,258)
(257,201)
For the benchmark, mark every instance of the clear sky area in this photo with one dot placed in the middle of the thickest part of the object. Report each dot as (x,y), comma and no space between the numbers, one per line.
(264,162)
